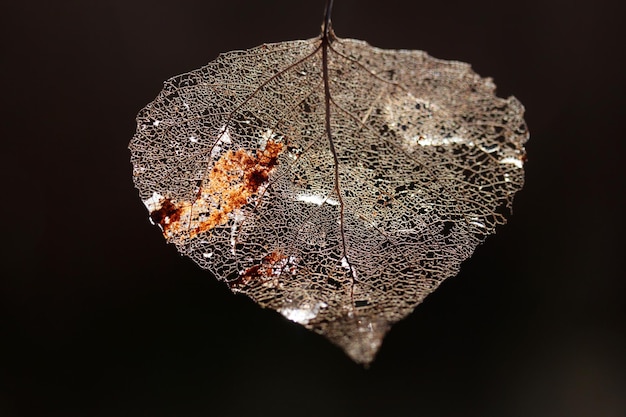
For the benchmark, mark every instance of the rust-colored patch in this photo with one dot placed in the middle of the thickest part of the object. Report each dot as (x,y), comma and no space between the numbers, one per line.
(234,178)
(267,272)
(166,214)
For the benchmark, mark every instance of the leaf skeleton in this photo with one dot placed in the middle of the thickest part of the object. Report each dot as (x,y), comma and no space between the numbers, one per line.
(332,181)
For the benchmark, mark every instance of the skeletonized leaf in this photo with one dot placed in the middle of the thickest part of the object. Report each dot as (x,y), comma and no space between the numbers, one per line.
(334,182)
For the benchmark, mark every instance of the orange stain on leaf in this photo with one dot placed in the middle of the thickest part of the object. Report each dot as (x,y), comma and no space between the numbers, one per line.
(266,272)
(234,178)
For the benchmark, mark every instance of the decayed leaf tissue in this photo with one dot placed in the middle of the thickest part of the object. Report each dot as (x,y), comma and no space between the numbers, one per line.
(336,183)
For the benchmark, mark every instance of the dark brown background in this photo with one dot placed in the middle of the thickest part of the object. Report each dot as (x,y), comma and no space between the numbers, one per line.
(101,318)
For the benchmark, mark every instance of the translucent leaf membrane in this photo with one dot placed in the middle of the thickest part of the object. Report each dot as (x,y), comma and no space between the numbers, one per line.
(341,208)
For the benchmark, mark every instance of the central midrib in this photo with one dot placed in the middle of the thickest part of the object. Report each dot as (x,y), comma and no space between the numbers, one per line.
(326,40)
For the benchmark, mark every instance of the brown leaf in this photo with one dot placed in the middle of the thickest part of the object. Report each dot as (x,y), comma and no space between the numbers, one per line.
(334,182)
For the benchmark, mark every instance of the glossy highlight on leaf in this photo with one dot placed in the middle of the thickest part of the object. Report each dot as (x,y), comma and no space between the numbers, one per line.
(334,182)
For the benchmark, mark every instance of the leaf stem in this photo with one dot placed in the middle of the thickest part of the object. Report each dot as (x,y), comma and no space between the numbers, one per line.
(327,13)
